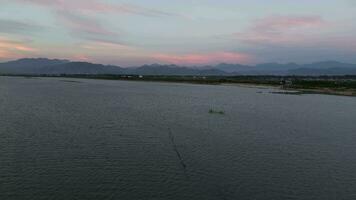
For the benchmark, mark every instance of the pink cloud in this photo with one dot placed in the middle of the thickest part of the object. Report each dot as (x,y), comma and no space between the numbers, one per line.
(81,57)
(86,27)
(105,45)
(98,6)
(274,23)
(83,25)
(80,24)
(79,16)
(281,29)
(199,59)
(13,49)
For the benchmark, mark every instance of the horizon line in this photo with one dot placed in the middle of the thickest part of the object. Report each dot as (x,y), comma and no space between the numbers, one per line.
(172,64)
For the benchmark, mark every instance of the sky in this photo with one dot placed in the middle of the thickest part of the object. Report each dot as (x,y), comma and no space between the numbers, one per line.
(191,33)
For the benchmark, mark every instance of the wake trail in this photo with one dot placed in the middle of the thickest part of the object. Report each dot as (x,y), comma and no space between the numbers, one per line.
(175,148)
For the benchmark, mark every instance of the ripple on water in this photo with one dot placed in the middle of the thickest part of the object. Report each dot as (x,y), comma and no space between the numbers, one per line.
(128,140)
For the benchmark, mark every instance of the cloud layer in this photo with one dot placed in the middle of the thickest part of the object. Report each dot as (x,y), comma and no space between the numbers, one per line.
(281,29)
(13,49)
(85,27)
(199,59)
(98,6)
(18,27)
(180,32)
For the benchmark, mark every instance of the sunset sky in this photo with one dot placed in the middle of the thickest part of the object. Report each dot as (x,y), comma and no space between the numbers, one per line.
(195,32)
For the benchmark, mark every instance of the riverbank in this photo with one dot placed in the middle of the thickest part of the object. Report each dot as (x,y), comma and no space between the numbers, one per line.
(330,85)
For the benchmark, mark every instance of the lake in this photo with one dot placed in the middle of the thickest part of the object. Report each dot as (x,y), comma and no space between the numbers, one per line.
(99,139)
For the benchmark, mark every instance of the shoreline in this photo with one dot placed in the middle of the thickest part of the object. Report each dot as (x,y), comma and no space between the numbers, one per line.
(261,82)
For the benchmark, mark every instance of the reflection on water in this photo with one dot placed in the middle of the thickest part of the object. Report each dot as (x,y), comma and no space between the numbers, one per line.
(138,140)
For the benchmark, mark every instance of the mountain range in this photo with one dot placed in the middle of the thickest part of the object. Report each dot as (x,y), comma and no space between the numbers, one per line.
(55,66)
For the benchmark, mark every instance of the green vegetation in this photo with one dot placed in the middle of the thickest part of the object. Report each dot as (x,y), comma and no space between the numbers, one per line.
(336,84)
(211,111)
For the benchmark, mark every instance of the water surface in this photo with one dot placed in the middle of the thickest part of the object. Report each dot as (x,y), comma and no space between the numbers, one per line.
(97,139)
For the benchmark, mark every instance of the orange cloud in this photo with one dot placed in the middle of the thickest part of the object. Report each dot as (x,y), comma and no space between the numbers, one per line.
(13,49)
(199,59)
(4,54)
(81,57)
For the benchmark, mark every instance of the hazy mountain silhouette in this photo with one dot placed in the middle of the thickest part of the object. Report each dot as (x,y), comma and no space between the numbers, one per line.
(29,65)
(260,69)
(230,68)
(318,68)
(317,72)
(49,66)
(325,68)
(81,68)
(157,69)
(328,65)
(55,66)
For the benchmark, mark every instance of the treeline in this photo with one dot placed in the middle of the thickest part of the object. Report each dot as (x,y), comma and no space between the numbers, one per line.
(334,82)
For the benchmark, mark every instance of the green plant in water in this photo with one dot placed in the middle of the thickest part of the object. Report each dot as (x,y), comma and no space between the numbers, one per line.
(211,111)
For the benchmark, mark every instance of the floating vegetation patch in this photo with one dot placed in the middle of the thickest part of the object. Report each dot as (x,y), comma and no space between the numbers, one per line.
(288,92)
(70,81)
(219,112)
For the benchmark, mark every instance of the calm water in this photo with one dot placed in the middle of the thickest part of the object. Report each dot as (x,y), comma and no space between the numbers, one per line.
(95,139)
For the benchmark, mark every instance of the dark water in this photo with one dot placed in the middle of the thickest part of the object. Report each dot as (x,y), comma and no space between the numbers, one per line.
(93,139)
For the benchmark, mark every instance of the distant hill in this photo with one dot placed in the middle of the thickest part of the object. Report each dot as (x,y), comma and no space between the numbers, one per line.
(52,67)
(318,72)
(260,69)
(231,68)
(55,66)
(28,65)
(329,65)
(157,69)
(81,68)
(332,68)
(48,66)
(315,69)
